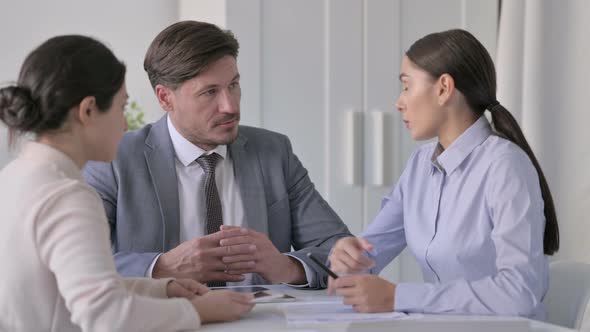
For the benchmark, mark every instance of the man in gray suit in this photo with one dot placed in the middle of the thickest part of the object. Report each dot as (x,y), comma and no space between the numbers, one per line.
(195,195)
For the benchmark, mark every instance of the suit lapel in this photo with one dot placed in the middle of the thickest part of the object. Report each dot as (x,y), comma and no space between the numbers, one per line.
(159,155)
(249,178)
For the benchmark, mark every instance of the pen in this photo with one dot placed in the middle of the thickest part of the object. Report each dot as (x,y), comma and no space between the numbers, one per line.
(322,266)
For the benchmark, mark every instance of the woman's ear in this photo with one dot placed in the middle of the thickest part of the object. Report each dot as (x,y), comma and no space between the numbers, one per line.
(86,110)
(445,88)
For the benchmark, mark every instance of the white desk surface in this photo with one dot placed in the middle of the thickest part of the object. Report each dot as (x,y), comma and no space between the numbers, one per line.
(269,317)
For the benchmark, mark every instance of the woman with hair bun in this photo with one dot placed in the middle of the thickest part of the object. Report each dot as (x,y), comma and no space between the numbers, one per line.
(473,207)
(59,273)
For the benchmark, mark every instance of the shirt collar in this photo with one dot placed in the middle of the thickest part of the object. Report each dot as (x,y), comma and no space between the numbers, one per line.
(186,151)
(462,147)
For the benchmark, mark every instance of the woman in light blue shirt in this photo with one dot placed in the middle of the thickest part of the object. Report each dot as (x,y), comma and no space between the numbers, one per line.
(474,208)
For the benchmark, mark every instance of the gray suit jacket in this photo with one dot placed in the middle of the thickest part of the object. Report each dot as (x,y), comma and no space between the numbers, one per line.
(140,194)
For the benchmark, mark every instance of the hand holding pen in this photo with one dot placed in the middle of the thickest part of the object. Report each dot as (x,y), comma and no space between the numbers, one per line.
(364,292)
(349,256)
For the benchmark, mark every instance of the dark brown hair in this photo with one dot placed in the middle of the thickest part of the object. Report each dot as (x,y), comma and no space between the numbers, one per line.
(459,54)
(184,49)
(55,77)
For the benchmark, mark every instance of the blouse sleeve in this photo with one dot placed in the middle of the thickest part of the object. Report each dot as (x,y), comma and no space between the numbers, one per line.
(148,287)
(386,232)
(72,238)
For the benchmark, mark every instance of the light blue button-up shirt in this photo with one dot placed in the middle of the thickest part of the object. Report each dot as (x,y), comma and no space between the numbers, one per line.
(472,216)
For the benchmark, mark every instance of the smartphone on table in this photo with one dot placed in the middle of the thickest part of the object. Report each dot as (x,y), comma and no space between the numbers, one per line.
(261,294)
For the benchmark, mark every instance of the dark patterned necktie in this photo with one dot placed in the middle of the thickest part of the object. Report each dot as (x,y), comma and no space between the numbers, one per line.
(212,201)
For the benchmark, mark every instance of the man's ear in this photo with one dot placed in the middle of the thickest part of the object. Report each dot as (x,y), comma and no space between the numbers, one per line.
(86,110)
(165,97)
(445,88)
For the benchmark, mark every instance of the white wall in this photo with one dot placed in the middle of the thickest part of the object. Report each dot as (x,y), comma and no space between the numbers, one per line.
(127,27)
(212,11)
(543,72)
(573,199)
(305,63)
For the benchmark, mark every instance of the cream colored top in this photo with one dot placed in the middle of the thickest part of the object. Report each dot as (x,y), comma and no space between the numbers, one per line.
(58,272)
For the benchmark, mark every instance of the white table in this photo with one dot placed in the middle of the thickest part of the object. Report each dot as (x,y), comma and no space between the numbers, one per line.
(269,317)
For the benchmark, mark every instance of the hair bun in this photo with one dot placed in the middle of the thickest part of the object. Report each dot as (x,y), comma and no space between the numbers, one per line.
(18,109)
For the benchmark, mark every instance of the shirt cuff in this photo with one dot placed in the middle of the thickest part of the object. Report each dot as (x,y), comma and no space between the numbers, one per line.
(148,273)
(309,274)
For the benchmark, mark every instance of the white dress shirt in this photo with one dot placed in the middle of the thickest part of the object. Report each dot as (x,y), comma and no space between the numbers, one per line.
(193,208)
(191,196)
(191,181)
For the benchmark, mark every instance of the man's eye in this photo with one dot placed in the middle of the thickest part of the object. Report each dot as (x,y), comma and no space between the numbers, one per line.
(209,92)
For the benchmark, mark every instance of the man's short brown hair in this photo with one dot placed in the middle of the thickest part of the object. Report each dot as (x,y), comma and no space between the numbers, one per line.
(184,50)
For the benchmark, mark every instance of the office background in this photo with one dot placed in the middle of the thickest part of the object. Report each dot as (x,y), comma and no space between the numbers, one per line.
(325,73)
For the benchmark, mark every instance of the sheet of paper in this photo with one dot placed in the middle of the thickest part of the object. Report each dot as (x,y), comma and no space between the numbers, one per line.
(327,312)
(271,297)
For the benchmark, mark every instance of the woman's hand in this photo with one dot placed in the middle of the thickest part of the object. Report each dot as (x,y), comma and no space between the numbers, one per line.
(348,255)
(186,288)
(366,293)
(222,305)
